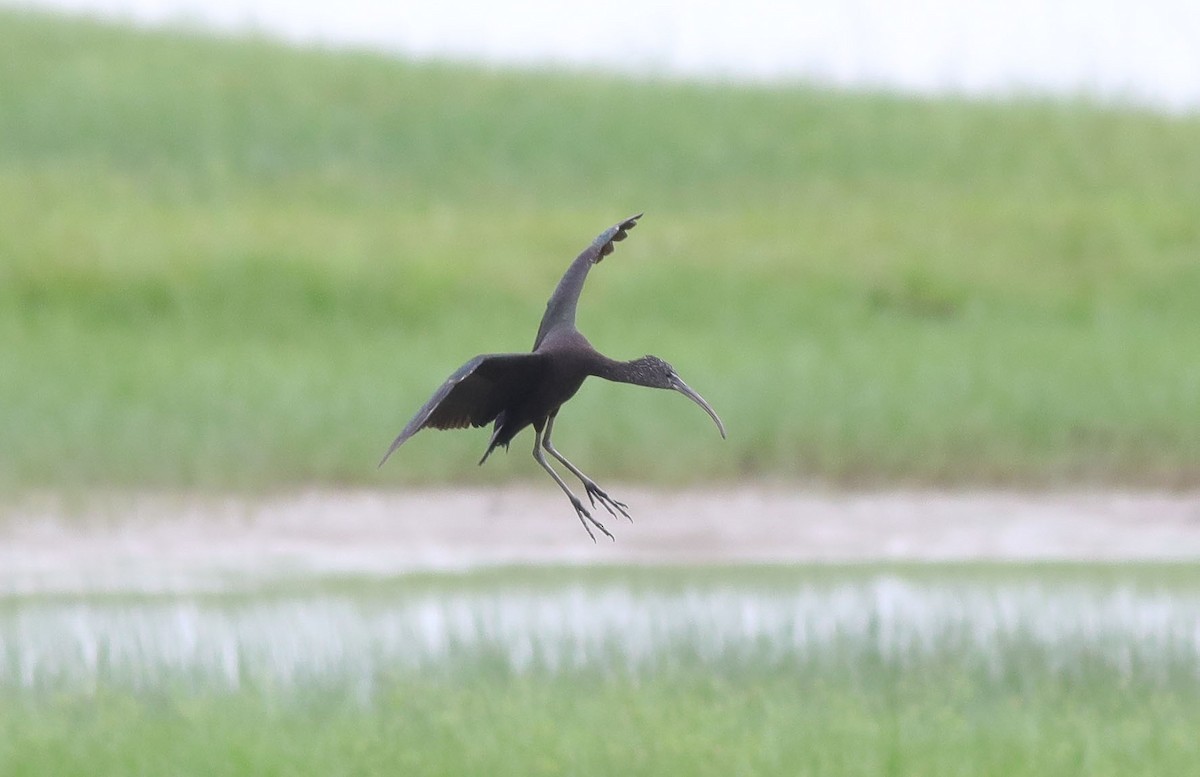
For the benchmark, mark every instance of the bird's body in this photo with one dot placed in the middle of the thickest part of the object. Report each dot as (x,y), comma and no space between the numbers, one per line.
(561,364)
(516,390)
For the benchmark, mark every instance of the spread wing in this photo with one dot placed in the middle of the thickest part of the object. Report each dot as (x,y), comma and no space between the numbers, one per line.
(476,393)
(560,310)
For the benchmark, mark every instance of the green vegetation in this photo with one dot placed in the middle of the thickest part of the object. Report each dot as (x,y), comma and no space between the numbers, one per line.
(937,724)
(1044,696)
(232,264)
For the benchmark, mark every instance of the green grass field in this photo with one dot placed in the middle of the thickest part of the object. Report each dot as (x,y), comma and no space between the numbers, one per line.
(697,725)
(237,265)
(233,265)
(964,671)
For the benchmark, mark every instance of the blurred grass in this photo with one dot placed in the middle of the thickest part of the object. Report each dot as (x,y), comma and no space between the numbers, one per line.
(233,264)
(1031,701)
(928,722)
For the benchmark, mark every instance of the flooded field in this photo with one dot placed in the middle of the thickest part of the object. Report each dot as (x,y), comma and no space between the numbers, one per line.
(747,633)
(352,636)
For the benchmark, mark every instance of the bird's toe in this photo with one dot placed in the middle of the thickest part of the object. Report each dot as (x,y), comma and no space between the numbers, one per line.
(586,517)
(612,505)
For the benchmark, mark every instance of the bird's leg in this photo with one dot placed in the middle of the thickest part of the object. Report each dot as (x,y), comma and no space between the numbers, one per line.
(594,491)
(580,510)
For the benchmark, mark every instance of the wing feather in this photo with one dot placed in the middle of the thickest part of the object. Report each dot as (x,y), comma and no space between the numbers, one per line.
(560,309)
(475,394)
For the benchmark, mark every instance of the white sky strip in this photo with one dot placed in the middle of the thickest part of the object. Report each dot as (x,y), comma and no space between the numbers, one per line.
(1145,52)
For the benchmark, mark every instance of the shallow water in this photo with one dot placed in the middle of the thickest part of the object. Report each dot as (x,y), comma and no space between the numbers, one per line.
(349,640)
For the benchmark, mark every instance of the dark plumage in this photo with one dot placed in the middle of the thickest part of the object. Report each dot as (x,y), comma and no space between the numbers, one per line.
(516,390)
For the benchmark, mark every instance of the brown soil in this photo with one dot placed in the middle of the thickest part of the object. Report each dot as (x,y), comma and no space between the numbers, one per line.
(176,543)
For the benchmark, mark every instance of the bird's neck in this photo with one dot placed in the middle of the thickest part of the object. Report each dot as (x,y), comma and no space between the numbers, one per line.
(619,371)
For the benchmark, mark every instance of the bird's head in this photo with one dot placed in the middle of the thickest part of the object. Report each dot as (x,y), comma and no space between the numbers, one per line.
(654,372)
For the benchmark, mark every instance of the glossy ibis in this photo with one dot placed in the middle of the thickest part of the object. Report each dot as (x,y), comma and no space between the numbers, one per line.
(515,390)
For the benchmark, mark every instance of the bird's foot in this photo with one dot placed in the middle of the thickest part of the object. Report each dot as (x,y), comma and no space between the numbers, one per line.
(585,517)
(594,493)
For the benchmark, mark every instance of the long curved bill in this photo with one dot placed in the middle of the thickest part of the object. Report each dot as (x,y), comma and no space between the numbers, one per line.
(683,388)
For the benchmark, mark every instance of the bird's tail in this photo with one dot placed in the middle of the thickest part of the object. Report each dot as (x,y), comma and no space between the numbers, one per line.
(494,442)
(491,447)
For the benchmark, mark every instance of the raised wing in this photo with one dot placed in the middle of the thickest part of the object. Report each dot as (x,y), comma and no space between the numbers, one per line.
(560,310)
(476,393)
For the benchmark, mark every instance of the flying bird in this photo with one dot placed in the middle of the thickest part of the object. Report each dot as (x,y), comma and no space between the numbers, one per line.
(514,390)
